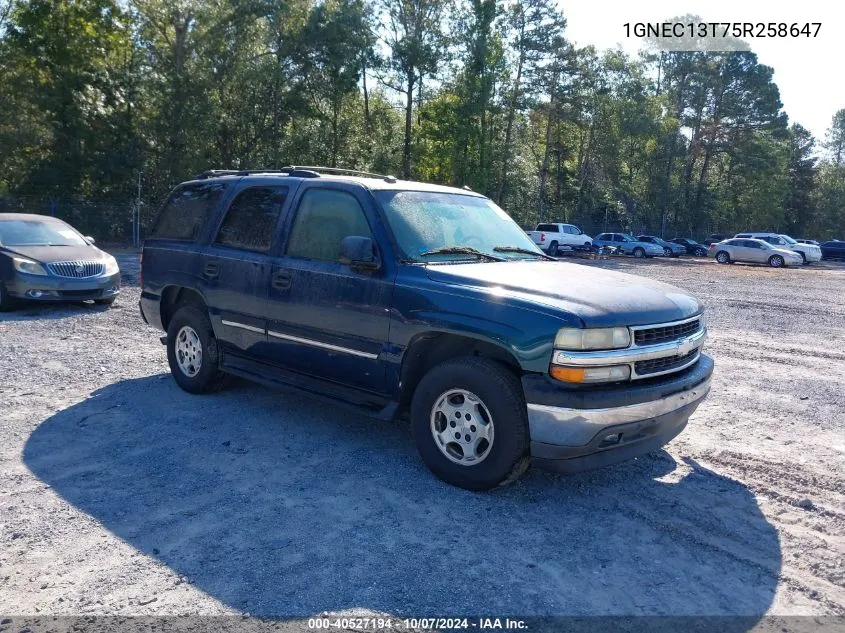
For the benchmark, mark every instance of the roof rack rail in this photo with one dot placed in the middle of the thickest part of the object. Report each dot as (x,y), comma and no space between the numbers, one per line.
(303,171)
(338,170)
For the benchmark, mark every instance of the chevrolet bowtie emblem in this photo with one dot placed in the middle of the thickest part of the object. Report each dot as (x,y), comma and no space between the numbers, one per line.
(685,346)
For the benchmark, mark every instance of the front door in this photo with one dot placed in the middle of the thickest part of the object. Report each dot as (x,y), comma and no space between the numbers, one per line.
(325,318)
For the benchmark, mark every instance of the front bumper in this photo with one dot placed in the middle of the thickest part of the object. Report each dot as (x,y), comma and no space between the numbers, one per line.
(53,288)
(575,430)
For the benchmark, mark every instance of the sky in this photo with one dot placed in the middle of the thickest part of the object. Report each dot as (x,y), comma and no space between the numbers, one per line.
(810,72)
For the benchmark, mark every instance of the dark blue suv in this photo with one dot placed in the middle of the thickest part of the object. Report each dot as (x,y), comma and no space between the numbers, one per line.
(413,300)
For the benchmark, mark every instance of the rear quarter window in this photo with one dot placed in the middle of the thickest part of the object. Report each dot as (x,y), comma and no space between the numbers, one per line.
(187,210)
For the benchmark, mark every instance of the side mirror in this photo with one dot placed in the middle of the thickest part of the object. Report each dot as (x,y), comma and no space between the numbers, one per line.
(358,252)
(90,239)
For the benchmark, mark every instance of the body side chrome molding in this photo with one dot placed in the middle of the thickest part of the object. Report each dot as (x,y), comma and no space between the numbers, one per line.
(243,326)
(328,346)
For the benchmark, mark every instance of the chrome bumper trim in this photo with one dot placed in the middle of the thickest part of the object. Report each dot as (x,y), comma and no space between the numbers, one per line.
(561,425)
(631,355)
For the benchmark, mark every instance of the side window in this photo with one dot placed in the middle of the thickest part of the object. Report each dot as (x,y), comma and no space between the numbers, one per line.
(323,219)
(250,221)
(751,244)
(186,211)
(547,228)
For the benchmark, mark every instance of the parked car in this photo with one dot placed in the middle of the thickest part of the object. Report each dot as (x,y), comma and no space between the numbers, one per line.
(834,249)
(629,245)
(814,242)
(808,252)
(45,259)
(753,251)
(550,237)
(418,300)
(716,237)
(669,249)
(692,247)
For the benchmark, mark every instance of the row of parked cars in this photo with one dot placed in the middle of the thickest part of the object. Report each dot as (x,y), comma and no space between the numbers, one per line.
(772,248)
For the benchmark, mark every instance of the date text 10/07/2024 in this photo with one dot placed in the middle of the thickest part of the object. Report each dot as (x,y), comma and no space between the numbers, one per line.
(721,29)
(415,624)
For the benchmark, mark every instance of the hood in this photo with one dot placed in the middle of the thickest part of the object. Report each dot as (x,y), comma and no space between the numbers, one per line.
(49,254)
(601,298)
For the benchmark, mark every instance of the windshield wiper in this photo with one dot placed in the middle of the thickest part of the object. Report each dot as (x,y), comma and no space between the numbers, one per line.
(462,250)
(519,249)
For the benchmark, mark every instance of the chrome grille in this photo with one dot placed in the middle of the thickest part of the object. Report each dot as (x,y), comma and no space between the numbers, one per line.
(665,364)
(76,269)
(665,333)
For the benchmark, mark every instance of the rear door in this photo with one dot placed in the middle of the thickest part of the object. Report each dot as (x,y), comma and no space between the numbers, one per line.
(325,318)
(236,266)
(754,252)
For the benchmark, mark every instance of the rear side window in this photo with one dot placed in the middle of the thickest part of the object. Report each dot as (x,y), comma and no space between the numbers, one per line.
(548,228)
(250,222)
(323,219)
(187,210)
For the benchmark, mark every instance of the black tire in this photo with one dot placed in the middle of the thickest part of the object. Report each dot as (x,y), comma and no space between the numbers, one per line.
(803,258)
(667,252)
(500,392)
(700,252)
(723,257)
(553,249)
(588,244)
(208,377)
(105,302)
(776,261)
(639,252)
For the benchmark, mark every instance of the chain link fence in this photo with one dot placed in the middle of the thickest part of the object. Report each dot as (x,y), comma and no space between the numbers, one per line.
(105,220)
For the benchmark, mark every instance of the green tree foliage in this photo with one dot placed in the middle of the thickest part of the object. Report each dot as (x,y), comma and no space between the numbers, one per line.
(487,94)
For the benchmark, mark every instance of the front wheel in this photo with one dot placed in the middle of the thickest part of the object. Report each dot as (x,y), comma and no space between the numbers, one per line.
(639,253)
(701,252)
(776,261)
(723,258)
(192,351)
(803,258)
(470,424)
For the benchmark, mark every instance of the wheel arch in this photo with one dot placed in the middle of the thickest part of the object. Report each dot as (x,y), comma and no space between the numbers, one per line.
(426,350)
(174,296)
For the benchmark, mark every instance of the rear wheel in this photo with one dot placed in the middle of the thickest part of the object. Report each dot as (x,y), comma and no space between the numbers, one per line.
(667,252)
(776,261)
(553,249)
(723,258)
(639,252)
(192,351)
(470,424)
(701,252)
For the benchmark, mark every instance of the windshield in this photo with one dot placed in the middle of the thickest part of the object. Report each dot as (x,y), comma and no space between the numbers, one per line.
(788,239)
(424,221)
(38,233)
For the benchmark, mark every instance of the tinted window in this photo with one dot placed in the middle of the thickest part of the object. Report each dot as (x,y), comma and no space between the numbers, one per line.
(323,219)
(752,244)
(744,235)
(550,228)
(186,211)
(251,219)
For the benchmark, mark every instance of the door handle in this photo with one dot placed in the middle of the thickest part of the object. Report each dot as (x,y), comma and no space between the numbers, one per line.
(281,280)
(211,270)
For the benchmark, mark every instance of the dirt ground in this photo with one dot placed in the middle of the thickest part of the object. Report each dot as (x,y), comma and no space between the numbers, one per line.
(122,495)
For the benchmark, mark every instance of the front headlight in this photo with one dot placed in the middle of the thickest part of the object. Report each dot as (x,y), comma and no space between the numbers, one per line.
(577,339)
(23,265)
(111,266)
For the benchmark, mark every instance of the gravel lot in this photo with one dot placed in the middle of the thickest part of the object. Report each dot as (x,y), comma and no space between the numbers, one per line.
(121,494)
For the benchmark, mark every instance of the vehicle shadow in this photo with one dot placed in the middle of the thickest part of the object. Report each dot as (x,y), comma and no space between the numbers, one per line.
(282,506)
